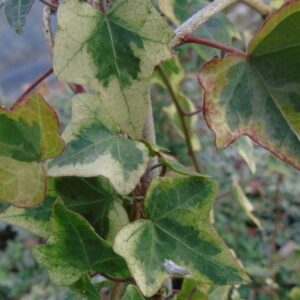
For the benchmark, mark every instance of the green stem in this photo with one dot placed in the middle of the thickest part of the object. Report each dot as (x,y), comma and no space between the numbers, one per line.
(186,133)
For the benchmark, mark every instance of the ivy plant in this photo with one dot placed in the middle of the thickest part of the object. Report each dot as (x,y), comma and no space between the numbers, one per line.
(103,196)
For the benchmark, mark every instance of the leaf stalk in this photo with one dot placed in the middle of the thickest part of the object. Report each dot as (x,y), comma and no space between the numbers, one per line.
(186,133)
(190,39)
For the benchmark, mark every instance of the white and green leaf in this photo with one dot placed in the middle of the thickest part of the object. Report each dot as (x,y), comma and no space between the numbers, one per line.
(114,54)
(93,150)
(177,230)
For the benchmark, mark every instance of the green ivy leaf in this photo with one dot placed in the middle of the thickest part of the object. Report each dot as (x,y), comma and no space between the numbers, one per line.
(93,198)
(114,54)
(96,200)
(92,149)
(85,288)
(29,134)
(177,230)
(132,293)
(16,12)
(217,28)
(258,95)
(74,248)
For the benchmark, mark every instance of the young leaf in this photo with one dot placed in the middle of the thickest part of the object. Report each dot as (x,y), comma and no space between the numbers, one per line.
(178,229)
(114,54)
(94,150)
(177,167)
(217,28)
(132,293)
(74,248)
(245,203)
(16,12)
(258,95)
(244,147)
(29,134)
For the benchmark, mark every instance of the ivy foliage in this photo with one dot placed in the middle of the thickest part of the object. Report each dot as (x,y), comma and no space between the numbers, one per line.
(86,192)
(114,54)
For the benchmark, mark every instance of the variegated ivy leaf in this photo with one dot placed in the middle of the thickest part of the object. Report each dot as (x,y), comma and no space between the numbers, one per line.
(132,293)
(175,74)
(35,220)
(114,53)
(92,149)
(177,230)
(16,12)
(29,134)
(93,198)
(74,249)
(217,28)
(259,94)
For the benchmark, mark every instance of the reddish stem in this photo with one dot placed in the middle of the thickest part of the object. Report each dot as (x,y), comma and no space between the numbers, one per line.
(189,114)
(52,5)
(189,39)
(79,89)
(35,83)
